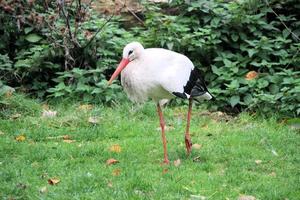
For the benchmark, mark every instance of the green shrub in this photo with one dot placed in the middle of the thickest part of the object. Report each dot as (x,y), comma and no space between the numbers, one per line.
(48,60)
(229,40)
(249,58)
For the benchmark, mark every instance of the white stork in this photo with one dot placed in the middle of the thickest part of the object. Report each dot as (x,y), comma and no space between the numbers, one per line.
(160,75)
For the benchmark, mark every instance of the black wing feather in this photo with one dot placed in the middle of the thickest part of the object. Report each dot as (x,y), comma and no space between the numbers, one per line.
(195,86)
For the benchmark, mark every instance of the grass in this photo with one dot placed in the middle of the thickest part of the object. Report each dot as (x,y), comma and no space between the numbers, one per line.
(240,156)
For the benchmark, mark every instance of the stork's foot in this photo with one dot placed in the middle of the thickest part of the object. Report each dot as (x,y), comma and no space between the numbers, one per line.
(188,144)
(166,161)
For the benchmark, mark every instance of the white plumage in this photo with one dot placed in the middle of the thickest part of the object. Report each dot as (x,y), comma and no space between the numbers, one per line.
(161,75)
(156,73)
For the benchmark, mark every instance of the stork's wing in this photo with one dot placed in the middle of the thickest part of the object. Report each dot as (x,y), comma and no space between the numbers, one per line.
(195,87)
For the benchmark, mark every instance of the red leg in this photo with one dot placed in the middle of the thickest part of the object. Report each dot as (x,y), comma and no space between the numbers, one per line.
(162,125)
(188,142)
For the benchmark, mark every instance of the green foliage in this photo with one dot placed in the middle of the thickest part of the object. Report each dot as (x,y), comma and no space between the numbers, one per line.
(227,40)
(50,60)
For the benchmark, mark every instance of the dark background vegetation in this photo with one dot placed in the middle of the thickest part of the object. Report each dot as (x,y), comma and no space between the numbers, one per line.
(248,49)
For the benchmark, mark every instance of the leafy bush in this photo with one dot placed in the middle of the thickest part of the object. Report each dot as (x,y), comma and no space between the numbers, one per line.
(47,58)
(249,56)
(230,41)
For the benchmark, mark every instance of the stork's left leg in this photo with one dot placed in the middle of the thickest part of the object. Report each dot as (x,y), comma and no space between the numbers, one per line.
(163,135)
(188,142)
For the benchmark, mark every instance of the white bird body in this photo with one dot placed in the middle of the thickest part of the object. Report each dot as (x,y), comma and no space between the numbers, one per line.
(156,74)
(161,75)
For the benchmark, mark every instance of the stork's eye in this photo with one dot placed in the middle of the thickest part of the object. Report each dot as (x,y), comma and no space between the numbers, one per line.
(130,52)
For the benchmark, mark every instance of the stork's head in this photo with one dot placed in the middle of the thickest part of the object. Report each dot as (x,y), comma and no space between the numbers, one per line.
(131,52)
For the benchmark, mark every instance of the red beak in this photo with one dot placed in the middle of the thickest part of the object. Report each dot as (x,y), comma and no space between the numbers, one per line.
(124,62)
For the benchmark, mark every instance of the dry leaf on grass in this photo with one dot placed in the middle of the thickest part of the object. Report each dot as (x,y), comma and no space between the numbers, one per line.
(69,141)
(258,161)
(273,174)
(204,126)
(9,93)
(49,113)
(197,159)
(53,181)
(20,138)
(66,137)
(109,184)
(15,116)
(115,148)
(196,146)
(116,172)
(246,197)
(111,161)
(43,190)
(198,197)
(177,162)
(85,107)
(93,120)
(165,170)
(167,128)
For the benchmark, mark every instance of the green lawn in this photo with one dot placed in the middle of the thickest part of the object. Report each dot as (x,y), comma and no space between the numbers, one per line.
(239,156)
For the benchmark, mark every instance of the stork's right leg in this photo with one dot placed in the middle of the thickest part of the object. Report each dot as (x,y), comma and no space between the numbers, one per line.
(162,125)
(188,142)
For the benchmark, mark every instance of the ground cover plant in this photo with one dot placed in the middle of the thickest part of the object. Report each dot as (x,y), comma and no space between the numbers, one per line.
(69,155)
(249,50)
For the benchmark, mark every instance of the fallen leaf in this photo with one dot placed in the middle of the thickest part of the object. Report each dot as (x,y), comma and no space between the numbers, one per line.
(167,128)
(258,161)
(115,148)
(272,174)
(85,107)
(66,137)
(53,181)
(43,189)
(69,141)
(251,75)
(165,170)
(246,197)
(197,159)
(9,93)
(93,120)
(204,126)
(15,116)
(196,146)
(49,113)
(20,138)
(177,162)
(116,172)
(198,197)
(111,161)
(109,184)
